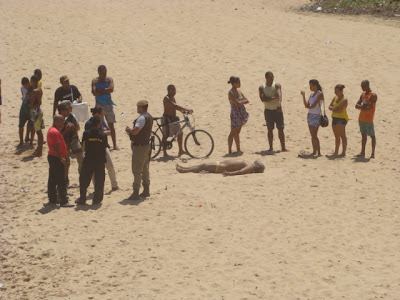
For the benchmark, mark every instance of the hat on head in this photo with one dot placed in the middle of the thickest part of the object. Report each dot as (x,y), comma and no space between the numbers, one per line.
(63,79)
(142,103)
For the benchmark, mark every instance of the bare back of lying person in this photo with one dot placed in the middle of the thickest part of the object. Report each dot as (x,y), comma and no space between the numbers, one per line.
(228,167)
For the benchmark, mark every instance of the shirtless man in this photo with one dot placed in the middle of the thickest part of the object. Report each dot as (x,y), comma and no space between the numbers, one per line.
(102,87)
(169,116)
(36,113)
(228,167)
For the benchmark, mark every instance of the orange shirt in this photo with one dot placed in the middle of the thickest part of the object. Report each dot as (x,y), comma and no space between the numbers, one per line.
(367,116)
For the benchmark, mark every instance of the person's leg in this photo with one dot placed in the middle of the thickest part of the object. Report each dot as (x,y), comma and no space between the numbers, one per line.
(27,139)
(373,140)
(137,169)
(32,132)
(38,151)
(315,140)
(67,165)
(180,141)
(280,125)
(196,168)
(21,136)
(341,129)
(270,139)
(336,132)
(146,174)
(113,137)
(61,182)
(84,180)
(52,183)
(282,140)
(363,144)
(99,177)
(230,140)
(237,138)
(111,170)
(79,159)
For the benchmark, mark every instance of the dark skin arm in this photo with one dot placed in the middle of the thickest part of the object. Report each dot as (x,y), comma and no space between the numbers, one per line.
(237,102)
(264,98)
(339,109)
(307,103)
(108,90)
(362,106)
(167,101)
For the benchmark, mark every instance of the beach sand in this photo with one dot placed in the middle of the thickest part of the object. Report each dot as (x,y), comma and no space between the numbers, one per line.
(305,229)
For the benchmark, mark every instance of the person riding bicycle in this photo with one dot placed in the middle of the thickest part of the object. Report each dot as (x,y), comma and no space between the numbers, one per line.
(169,116)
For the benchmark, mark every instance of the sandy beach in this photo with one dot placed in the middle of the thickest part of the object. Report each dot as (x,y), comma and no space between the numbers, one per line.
(304,229)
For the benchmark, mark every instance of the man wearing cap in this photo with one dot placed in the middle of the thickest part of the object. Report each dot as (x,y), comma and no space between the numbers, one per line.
(140,137)
(66,92)
(70,134)
(94,143)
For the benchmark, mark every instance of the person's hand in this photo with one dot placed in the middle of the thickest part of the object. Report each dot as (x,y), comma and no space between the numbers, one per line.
(190,111)
(79,100)
(225,173)
(303,93)
(279,108)
(127,130)
(63,161)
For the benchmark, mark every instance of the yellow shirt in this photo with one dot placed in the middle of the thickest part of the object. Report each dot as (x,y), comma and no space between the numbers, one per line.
(40,83)
(341,115)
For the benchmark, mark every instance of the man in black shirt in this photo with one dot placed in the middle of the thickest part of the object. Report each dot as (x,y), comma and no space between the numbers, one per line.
(94,143)
(66,92)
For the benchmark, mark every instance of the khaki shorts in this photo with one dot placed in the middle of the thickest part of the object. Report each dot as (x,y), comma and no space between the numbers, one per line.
(108,111)
(171,129)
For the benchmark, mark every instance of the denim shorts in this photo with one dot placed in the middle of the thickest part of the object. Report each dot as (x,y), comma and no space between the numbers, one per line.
(338,121)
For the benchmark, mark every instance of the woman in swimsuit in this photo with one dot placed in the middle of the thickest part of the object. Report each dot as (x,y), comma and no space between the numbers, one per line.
(239,115)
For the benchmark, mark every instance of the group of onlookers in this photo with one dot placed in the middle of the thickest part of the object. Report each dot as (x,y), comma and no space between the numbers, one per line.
(93,154)
(270,94)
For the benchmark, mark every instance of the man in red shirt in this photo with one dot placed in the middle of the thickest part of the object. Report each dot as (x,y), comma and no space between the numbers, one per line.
(56,158)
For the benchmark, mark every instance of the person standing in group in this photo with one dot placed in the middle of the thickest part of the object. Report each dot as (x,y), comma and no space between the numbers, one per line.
(56,186)
(70,134)
(38,73)
(98,111)
(140,137)
(271,95)
(94,143)
(314,113)
(36,113)
(30,131)
(366,104)
(102,87)
(340,118)
(239,115)
(66,92)
(169,116)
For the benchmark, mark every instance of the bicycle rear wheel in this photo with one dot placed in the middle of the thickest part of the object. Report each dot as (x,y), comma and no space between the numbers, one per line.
(199,144)
(155,144)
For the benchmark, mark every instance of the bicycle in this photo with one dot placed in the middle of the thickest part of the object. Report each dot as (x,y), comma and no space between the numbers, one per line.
(198,143)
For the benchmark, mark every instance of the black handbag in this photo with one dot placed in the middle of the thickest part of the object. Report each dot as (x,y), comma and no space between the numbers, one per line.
(323,120)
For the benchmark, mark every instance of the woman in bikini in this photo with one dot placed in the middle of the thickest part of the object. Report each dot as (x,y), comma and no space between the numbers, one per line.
(239,115)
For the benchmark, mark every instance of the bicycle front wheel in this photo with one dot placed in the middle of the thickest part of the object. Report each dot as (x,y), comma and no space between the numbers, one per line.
(155,144)
(199,144)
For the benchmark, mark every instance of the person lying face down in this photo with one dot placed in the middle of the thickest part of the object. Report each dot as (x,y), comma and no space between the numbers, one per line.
(228,167)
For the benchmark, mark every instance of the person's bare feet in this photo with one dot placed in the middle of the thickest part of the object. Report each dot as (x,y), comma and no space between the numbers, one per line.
(37,153)
(270,150)
(285,150)
(115,147)
(372,155)
(360,155)
(20,145)
(181,153)
(179,168)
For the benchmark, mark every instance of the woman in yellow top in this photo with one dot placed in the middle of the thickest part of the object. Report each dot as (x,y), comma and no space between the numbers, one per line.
(340,118)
